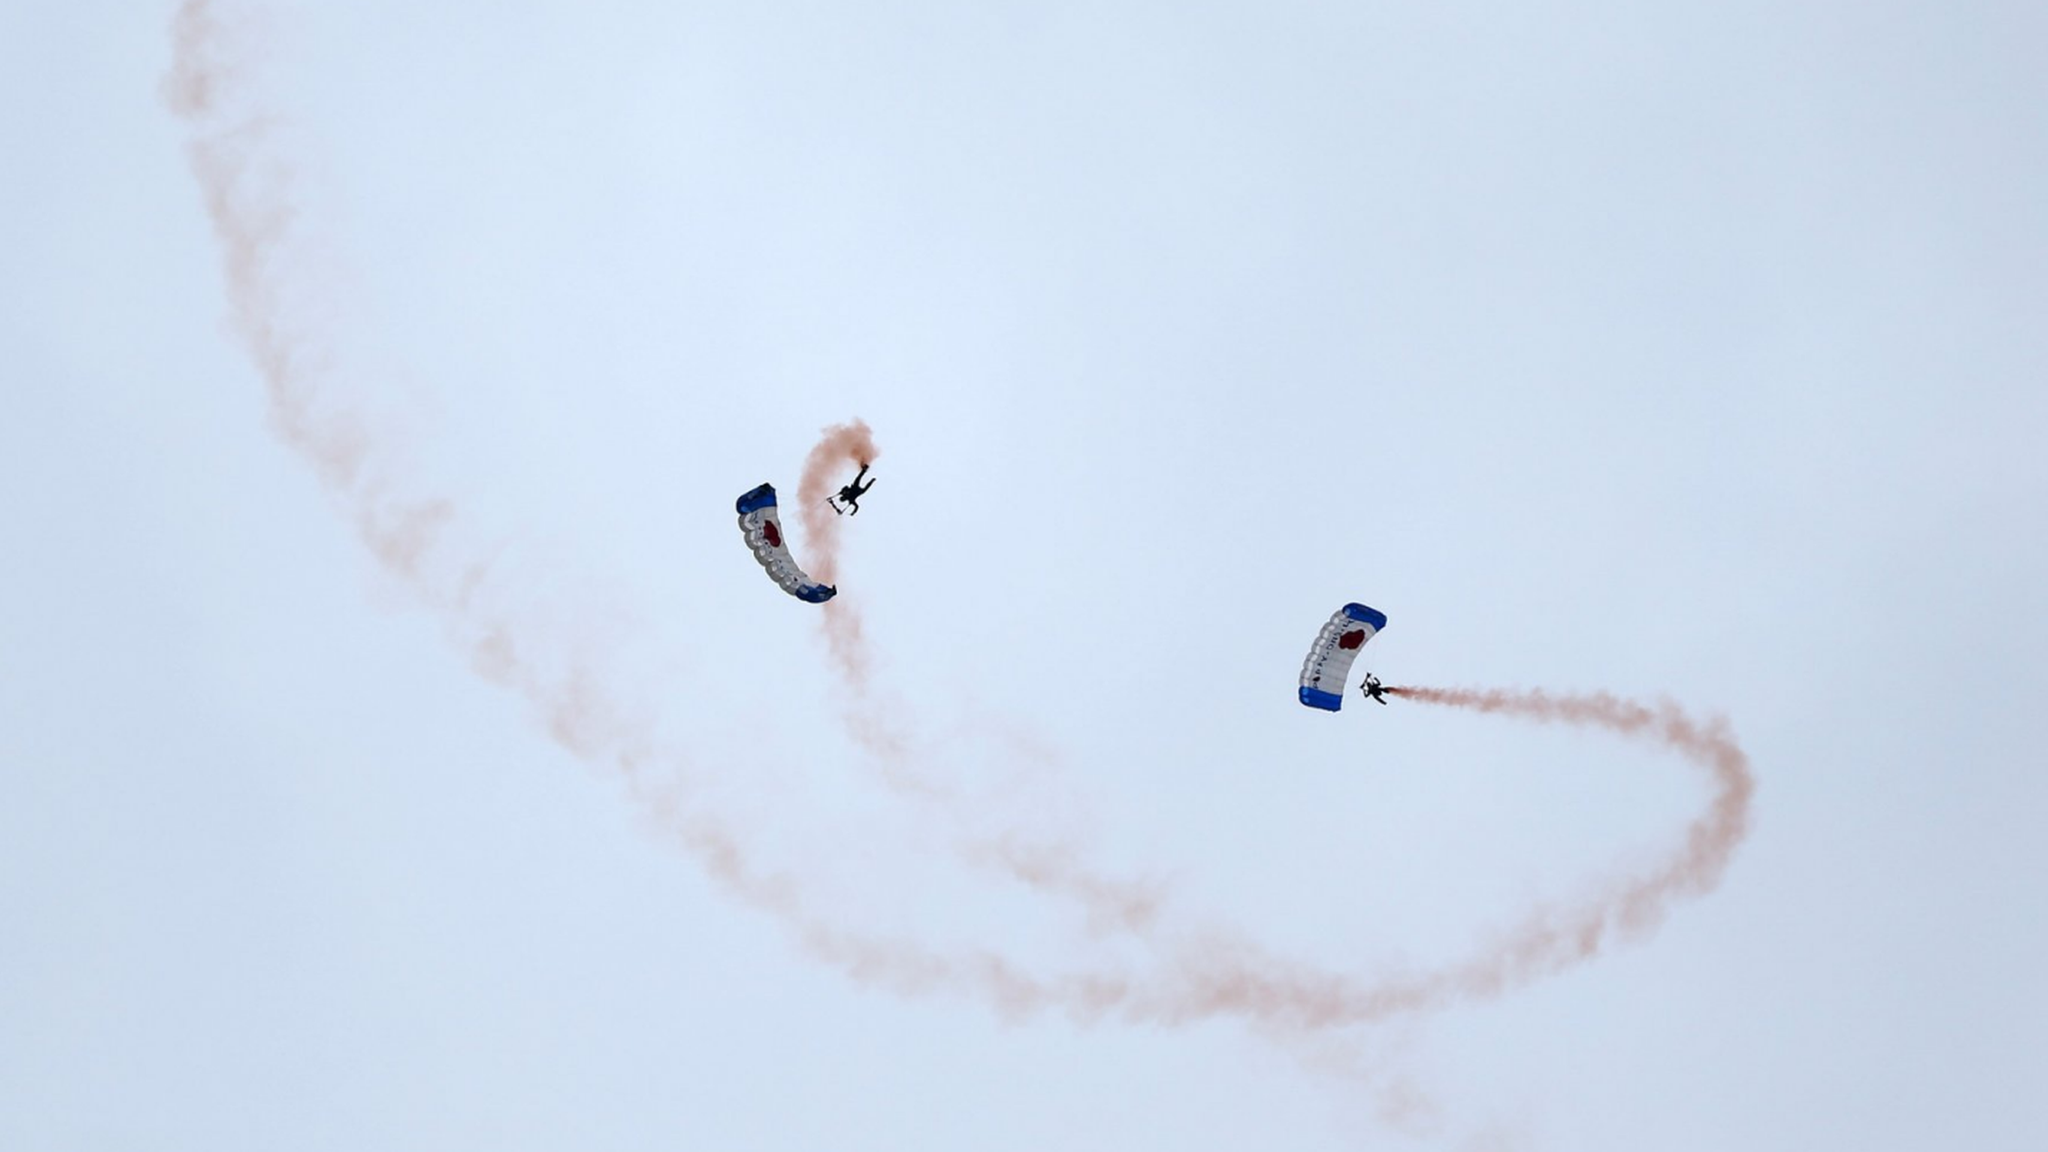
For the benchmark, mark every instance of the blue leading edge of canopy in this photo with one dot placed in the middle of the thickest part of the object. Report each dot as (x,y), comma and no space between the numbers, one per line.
(816,593)
(1358,612)
(1317,698)
(759,498)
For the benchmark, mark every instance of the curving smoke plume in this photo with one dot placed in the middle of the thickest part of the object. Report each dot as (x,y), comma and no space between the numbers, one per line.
(1196,971)
(1695,868)
(843,445)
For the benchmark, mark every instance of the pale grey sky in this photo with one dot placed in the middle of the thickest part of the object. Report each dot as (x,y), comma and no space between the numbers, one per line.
(1686,350)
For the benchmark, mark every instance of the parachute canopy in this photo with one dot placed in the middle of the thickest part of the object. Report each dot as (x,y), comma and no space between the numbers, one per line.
(1329,658)
(763,531)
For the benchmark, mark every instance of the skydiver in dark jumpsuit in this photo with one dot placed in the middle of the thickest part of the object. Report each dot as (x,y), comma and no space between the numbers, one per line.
(1373,689)
(852,493)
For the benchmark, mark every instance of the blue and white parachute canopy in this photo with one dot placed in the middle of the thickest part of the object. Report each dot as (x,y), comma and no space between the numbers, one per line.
(1329,658)
(763,530)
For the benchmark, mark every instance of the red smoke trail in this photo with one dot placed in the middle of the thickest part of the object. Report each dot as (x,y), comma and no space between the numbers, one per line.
(249,195)
(1547,944)
(1223,973)
(1195,975)
(879,728)
(248,191)
(1547,941)
(844,450)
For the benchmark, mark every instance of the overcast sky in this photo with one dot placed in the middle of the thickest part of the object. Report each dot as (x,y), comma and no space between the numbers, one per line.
(1686,351)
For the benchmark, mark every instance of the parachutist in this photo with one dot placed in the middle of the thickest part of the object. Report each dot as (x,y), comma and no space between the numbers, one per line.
(851,493)
(1328,667)
(1373,689)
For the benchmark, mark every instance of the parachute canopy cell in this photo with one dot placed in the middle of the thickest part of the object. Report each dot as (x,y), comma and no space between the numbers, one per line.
(762,528)
(1329,658)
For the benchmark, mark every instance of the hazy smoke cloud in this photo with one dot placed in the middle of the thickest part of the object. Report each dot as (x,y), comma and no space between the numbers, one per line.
(1195,972)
